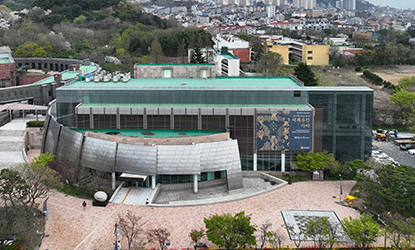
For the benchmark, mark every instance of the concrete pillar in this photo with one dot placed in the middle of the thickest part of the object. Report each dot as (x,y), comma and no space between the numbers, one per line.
(195,183)
(153,182)
(255,162)
(283,161)
(113,181)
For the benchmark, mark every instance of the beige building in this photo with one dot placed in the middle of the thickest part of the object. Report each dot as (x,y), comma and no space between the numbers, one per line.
(310,54)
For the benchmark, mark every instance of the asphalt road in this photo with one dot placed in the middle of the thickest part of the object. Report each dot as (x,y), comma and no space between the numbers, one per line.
(392,150)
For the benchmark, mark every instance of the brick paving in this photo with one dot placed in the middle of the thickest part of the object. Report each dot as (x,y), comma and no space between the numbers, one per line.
(69,227)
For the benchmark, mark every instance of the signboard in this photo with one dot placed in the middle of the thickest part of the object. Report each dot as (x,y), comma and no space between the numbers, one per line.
(284,130)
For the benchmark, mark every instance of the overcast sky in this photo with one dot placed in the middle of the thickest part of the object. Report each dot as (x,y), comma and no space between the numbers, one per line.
(403,4)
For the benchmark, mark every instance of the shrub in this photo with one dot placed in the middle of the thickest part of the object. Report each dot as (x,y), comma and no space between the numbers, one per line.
(35,124)
(358,69)
(44,158)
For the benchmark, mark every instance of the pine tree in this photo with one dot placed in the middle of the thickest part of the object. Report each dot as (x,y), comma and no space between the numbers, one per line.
(304,73)
(156,53)
(197,56)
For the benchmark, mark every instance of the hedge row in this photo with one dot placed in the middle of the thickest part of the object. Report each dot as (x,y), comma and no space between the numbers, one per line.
(378,80)
(35,124)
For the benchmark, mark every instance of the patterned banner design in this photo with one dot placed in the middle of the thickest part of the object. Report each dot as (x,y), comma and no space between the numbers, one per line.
(284,130)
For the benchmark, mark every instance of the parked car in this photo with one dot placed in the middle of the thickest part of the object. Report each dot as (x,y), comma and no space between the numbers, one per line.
(406,147)
(411,152)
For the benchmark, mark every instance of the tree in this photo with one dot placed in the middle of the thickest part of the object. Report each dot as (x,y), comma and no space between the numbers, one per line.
(39,179)
(304,73)
(230,231)
(257,47)
(16,217)
(274,238)
(404,98)
(244,37)
(321,231)
(130,227)
(197,56)
(182,52)
(336,57)
(13,188)
(269,63)
(399,230)
(388,189)
(159,235)
(263,230)
(363,231)
(298,236)
(37,14)
(196,235)
(156,53)
(351,168)
(309,161)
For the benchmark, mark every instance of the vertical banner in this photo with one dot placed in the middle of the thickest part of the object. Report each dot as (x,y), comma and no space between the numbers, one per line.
(284,130)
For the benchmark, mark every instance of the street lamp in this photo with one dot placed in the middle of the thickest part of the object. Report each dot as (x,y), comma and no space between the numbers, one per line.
(116,234)
(341,190)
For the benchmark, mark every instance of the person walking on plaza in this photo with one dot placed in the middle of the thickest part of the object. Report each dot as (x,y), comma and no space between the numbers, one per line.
(119,245)
(83,205)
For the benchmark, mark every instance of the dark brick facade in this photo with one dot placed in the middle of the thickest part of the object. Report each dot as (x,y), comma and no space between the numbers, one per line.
(8,72)
(29,79)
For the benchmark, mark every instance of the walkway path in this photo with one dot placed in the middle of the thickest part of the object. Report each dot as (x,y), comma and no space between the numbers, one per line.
(69,227)
(11,140)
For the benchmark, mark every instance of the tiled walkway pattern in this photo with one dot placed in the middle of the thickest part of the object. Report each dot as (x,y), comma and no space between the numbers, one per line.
(69,227)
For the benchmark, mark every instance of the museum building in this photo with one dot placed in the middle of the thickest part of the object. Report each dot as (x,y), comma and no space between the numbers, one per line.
(176,129)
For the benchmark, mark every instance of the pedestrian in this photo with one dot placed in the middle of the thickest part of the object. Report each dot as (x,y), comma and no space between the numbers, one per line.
(119,245)
(147,201)
(83,205)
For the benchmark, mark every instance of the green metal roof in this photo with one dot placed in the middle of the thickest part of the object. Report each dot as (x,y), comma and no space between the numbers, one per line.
(69,74)
(5,60)
(229,56)
(153,133)
(174,64)
(195,105)
(219,83)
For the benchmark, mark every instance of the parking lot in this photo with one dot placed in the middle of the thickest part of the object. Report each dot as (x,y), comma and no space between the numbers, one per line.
(393,151)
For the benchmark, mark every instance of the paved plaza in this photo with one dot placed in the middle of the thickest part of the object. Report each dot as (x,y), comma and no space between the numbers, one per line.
(69,227)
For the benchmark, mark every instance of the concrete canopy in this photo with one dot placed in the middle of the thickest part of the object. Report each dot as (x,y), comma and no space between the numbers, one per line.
(22,106)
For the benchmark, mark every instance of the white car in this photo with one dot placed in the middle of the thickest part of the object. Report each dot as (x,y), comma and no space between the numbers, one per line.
(411,151)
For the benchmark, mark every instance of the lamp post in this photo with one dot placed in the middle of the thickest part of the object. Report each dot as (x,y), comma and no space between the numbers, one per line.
(116,234)
(341,190)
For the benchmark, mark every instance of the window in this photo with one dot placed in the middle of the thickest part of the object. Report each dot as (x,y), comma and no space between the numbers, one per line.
(5,83)
(167,73)
(297,93)
(310,58)
(310,52)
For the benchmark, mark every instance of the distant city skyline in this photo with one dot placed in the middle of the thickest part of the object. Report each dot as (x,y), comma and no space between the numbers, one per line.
(397,4)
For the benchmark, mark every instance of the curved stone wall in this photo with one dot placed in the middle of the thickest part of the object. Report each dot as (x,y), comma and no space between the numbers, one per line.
(110,156)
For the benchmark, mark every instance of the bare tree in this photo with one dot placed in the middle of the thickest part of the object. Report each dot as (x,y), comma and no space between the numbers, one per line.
(275,238)
(160,235)
(263,229)
(130,227)
(297,236)
(39,179)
